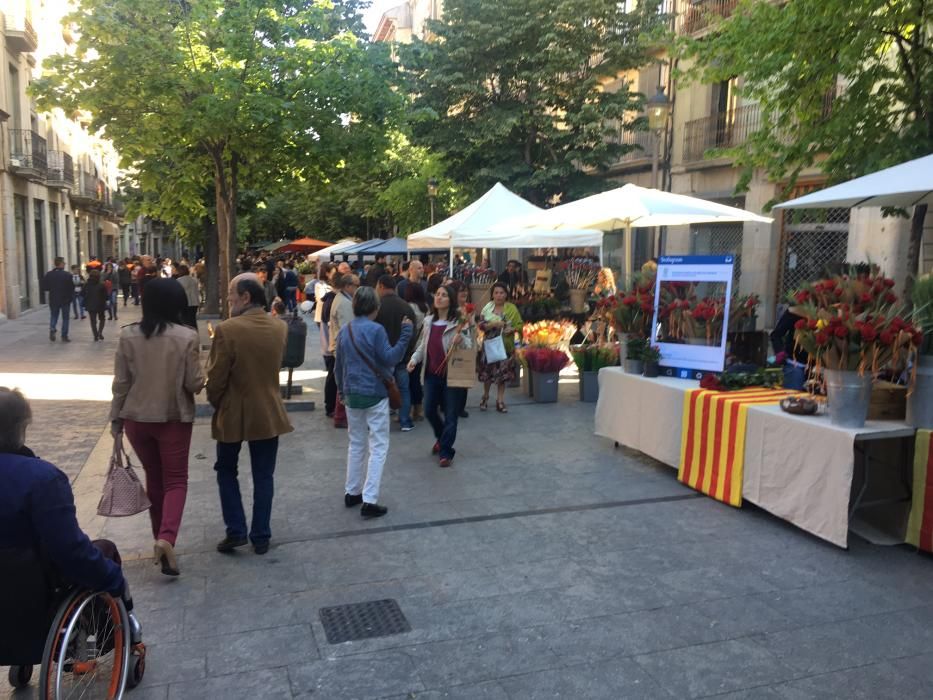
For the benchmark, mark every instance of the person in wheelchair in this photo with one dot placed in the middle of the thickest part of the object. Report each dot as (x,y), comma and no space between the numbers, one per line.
(45,557)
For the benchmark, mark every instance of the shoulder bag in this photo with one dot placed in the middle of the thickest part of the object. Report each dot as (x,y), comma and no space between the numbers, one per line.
(123,493)
(395,396)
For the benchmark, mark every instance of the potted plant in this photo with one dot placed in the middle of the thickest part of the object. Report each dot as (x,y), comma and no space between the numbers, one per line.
(544,335)
(589,359)
(851,327)
(580,274)
(651,356)
(920,399)
(635,346)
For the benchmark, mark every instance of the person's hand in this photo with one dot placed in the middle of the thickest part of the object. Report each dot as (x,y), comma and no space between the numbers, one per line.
(407,322)
(116,428)
(458,339)
(411,366)
(780,358)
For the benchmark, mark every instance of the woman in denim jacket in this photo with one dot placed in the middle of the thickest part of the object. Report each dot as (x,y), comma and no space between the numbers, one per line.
(444,329)
(366,398)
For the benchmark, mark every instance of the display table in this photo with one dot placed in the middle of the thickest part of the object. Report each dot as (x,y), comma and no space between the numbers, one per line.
(798,468)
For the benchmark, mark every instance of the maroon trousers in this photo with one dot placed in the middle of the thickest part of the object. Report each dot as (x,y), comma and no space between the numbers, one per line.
(163,450)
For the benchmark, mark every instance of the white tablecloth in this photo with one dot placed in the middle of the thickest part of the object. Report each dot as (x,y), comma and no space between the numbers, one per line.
(797,467)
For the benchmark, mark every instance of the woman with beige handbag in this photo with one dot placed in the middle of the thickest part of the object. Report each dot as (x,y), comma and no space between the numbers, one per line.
(157,372)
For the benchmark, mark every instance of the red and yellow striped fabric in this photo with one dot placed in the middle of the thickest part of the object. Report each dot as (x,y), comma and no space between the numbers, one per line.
(712,443)
(920,526)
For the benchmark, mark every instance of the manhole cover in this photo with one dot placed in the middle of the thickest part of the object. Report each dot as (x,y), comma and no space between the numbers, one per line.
(374,618)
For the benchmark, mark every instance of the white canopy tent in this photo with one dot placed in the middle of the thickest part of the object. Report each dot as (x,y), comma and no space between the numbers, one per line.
(630,207)
(471,228)
(327,254)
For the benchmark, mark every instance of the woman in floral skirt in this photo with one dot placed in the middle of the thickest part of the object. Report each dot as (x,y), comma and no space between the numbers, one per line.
(499,317)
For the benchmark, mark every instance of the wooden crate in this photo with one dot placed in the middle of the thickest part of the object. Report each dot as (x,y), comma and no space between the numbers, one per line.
(888,401)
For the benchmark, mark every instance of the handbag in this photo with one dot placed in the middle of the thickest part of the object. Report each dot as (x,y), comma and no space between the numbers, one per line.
(494,350)
(395,396)
(123,493)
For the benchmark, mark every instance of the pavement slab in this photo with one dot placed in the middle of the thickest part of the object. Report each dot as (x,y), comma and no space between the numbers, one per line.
(545,564)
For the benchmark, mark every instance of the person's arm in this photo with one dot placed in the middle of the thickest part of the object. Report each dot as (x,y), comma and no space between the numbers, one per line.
(391,355)
(194,375)
(219,365)
(421,348)
(339,352)
(122,380)
(52,511)
(784,326)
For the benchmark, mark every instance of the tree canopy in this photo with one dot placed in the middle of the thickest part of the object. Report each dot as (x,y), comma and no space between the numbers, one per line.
(251,94)
(513,91)
(845,85)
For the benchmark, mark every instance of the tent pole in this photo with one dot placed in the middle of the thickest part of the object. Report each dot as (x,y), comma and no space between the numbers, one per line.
(629,255)
(600,254)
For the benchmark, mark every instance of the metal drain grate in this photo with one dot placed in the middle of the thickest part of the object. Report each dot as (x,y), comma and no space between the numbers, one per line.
(374,618)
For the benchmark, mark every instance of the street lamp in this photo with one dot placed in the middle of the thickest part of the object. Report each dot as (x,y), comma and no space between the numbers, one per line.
(659,109)
(432,193)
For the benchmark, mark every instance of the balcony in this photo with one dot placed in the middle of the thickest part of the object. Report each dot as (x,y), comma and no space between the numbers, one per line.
(85,192)
(20,35)
(724,130)
(643,143)
(28,154)
(700,14)
(61,174)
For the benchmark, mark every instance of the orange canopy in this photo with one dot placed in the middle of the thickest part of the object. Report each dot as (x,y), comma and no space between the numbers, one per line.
(308,245)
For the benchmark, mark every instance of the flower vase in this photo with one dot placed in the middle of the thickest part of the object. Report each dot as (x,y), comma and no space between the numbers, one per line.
(848,395)
(651,369)
(578,303)
(480,294)
(920,400)
(633,366)
(545,386)
(589,387)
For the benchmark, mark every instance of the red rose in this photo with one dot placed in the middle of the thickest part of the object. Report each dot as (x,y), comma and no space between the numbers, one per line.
(841,331)
(890,298)
(802,297)
(629,300)
(812,324)
(821,338)
(886,337)
(865,298)
(838,291)
(868,333)
(888,282)
(801,324)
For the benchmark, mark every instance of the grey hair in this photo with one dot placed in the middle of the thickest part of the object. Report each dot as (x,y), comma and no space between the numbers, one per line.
(15,415)
(365,301)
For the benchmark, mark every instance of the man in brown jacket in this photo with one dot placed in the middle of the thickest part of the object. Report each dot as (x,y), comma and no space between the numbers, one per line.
(243,388)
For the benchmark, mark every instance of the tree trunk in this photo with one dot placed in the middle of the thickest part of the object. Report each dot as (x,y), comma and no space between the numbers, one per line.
(913,252)
(212,294)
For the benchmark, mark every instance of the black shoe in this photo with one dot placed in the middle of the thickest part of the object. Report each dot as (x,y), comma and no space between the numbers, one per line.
(373,510)
(329,414)
(349,500)
(66,339)
(261,548)
(228,544)
(464,414)
(100,337)
(52,336)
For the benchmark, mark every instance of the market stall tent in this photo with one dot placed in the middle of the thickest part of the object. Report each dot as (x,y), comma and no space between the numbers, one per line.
(328,253)
(303,245)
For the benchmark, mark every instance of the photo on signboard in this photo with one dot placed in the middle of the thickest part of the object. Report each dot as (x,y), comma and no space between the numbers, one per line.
(691,313)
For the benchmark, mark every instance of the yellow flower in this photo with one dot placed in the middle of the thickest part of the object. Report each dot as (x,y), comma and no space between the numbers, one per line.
(821,324)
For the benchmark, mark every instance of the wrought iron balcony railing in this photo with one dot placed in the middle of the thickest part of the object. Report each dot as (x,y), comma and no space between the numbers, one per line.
(699,14)
(61,173)
(723,130)
(28,156)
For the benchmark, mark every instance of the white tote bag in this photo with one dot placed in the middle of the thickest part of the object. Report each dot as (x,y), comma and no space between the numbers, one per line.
(494,350)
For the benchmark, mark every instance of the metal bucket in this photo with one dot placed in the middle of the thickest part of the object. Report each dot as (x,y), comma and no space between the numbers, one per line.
(545,386)
(578,303)
(633,366)
(920,400)
(589,387)
(848,395)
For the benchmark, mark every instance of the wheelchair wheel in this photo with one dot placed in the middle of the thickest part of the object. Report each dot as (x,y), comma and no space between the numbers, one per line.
(87,653)
(20,676)
(138,667)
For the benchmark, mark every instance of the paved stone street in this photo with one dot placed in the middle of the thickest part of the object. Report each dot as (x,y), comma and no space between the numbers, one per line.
(544,564)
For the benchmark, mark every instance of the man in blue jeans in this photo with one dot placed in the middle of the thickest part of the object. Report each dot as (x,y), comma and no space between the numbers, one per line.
(392,311)
(243,387)
(57,283)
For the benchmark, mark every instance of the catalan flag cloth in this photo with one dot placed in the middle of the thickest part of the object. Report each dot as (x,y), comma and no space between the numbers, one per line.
(712,443)
(920,525)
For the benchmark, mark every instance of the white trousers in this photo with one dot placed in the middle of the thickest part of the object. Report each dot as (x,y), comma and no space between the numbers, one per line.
(368,431)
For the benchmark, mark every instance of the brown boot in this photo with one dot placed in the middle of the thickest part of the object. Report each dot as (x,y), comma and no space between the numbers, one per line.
(416,412)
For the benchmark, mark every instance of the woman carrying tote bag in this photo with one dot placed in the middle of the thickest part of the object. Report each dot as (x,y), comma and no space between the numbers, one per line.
(157,372)
(499,320)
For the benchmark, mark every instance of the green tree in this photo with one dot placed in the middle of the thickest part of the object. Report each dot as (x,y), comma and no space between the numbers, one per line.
(845,85)
(512,91)
(236,94)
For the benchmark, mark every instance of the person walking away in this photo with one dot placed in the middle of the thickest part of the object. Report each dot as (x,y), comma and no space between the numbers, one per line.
(58,284)
(444,329)
(499,318)
(341,313)
(77,280)
(364,359)
(157,372)
(125,277)
(418,302)
(111,282)
(243,387)
(192,296)
(95,301)
(291,286)
(328,343)
(392,311)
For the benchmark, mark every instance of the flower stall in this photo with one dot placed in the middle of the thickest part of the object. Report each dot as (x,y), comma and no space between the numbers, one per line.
(544,355)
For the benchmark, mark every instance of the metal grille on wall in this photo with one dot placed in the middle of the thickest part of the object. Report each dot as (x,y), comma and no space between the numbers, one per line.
(719,239)
(811,241)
